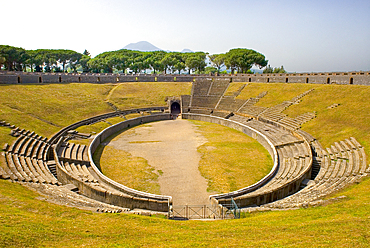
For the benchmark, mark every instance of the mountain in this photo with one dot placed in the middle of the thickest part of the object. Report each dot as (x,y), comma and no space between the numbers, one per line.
(186,51)
(256,71)
(142,46)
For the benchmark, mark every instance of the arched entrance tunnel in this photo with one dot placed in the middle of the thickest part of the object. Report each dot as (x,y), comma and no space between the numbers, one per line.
(175,108)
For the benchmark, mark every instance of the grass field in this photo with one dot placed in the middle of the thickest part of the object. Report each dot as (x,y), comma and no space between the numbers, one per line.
(27,221)
(121,166)
(232,163)
(350,118)
(137,95)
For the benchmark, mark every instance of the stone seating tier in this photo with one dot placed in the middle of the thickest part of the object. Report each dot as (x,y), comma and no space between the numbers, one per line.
(223,114)
(23,159)
(277,135)
(240,119)
(301,119)
(205,101)
(8,174)
(185,102)
(229,103)
(72,151)
(218,87)
(200,111)
(4,174)
(201,88)
(273,116)
(289,122)
(339,167)
(252,110)
(20,176)
(79,171)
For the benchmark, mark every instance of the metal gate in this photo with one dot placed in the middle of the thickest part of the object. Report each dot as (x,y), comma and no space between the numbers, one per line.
(189,212)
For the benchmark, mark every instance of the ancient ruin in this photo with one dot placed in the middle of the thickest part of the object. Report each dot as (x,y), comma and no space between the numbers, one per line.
(303,171)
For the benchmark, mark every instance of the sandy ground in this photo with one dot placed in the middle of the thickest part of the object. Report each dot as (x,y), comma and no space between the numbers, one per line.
(170,147)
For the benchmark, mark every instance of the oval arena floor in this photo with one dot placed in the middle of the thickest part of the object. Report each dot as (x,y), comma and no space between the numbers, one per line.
(170,146)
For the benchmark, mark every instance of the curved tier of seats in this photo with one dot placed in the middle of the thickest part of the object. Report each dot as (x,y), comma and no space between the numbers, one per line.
(75,166)
(291,154)
(340,165)
(32,158)
(25,159)
(301,176)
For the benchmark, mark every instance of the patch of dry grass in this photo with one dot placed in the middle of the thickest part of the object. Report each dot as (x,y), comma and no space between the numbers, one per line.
(230,163)
(233,87)
(131,171)
(136,95)
(277,92)
(29,222)
(350,118)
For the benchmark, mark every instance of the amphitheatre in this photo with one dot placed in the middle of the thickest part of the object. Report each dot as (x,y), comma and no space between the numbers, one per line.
(310,130)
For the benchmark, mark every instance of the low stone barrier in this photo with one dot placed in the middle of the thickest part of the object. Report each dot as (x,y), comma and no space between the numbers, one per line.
(262,198)
(129,198)
(90,120)
(13,77)
(114,198)
(261,138)
(117,186)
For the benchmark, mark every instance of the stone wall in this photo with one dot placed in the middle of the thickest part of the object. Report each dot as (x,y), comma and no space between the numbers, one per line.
(262,139)
(241,196)
(54,139)
(99,138)
(125,196)
(114,198)
(358,78)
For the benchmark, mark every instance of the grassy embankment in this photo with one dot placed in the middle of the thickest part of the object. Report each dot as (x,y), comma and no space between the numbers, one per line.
(27,221)
(47,108)
(350,118)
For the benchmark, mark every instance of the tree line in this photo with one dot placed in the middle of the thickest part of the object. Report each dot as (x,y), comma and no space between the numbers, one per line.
(238,60)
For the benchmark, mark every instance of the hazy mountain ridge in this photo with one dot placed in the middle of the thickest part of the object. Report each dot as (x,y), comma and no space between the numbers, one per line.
(145,46)
(142,46)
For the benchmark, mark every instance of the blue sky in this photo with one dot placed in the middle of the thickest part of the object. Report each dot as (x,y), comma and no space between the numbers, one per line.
(304,36)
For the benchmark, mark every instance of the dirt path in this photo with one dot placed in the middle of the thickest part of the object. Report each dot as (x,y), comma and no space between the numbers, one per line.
(170,147)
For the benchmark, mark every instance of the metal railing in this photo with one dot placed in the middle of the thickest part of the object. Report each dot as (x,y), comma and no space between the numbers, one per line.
(193,212)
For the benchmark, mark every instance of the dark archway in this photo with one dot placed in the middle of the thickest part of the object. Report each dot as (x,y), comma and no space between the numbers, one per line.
(175,108)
